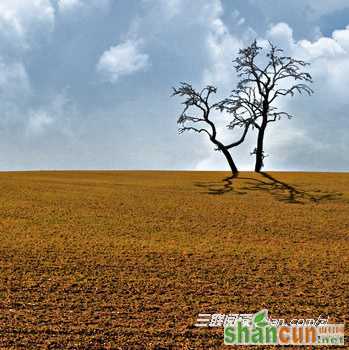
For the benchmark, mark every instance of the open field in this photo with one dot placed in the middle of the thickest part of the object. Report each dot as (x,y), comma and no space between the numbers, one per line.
(127,260)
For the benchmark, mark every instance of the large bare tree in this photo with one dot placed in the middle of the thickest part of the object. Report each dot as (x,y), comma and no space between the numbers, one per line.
(197,117)
(261,84)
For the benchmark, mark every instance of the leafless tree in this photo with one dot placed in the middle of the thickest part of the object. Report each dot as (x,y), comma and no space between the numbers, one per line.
(196,117)
(260,85)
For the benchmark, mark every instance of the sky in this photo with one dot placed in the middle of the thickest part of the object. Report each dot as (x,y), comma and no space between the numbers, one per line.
(86,84)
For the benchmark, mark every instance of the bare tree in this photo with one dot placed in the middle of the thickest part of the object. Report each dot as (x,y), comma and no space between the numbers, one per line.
(196,117)
(260,86)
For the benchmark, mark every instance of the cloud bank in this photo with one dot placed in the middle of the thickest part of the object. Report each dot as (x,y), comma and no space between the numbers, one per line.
(86,83)
(123,59)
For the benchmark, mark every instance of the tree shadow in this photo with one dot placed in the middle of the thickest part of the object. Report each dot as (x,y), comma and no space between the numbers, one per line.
(219,187)
(280,190)
(285,192)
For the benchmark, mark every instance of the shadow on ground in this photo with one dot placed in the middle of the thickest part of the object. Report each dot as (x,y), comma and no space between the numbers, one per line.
(281,190)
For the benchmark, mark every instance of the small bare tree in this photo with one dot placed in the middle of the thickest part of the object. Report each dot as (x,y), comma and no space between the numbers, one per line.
(260,86)
(201,122)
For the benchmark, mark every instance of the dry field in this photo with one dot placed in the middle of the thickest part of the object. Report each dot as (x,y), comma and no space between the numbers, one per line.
(127,260)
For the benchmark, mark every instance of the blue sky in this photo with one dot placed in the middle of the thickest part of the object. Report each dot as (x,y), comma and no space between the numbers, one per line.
(85,84)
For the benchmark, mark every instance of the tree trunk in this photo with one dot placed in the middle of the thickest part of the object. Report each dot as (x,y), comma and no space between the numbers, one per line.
(259,149)
(229,159)
(260,139)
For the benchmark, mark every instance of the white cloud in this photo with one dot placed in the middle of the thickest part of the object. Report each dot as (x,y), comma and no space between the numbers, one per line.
(173,7)
(54,116)
(66,6)
(281,35)
(306,10)
(221,47)
(123,59)
(100,4)
(329,58)
(20,20)
(323,47)
(69,5)
(316,117)
(38,121)
(321,7)
(22,25)
(15,91)
(14,81)
(168,8)
(342,38)
(315,129)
